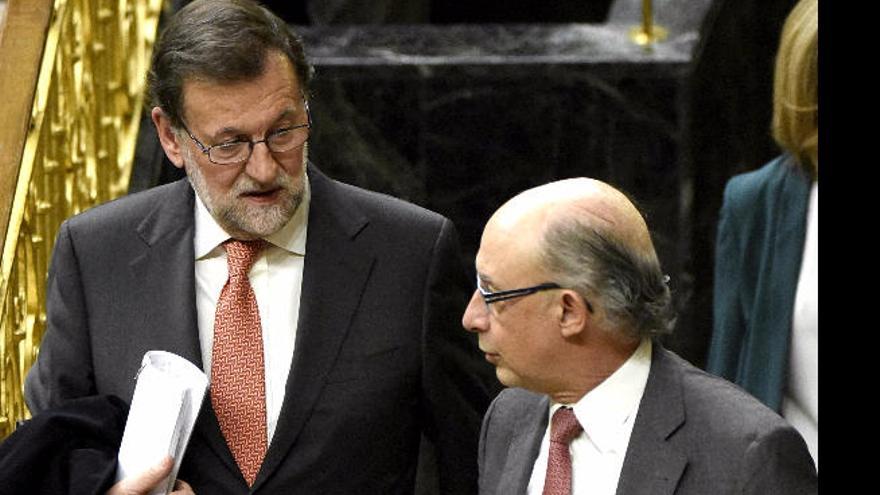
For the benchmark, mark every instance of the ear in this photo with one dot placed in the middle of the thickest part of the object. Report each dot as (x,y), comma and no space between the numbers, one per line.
(167,137)
(575,315)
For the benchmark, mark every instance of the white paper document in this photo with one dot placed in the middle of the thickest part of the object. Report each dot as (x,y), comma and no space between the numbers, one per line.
(166,402)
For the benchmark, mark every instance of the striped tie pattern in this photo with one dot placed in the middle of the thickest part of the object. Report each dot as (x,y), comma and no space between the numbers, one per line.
(238,386)
(563,429)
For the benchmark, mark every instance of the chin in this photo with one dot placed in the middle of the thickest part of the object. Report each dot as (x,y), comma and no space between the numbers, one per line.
(261,221)
(507,378)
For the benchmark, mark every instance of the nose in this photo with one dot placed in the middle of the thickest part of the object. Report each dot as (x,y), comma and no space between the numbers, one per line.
(262,166)
(476,315)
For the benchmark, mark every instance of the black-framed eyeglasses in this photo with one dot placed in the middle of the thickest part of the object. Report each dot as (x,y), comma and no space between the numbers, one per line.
(240,150)
(503,295)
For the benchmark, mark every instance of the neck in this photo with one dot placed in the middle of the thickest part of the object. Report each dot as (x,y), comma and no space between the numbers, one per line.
(590,368)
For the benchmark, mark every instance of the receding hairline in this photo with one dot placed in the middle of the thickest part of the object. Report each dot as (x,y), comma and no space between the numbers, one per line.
(197,79)
(589,201)
(188,49)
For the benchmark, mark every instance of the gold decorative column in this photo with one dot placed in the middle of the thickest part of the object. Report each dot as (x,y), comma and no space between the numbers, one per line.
(78,152)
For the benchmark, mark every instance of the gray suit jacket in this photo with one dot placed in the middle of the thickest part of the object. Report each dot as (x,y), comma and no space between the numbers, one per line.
(694,434)
(380,355)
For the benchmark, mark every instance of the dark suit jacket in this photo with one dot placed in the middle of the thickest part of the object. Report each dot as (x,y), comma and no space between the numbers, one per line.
(761,233)
(70,449)
(380,354)
(694,434)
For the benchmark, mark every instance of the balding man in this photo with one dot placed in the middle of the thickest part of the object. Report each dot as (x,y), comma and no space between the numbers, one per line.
(569,297)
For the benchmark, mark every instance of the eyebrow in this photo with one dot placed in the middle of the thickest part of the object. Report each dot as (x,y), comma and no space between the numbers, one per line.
(234,131)
(486,280)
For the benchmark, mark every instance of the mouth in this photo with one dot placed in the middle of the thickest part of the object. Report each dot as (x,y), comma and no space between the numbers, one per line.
(262,197)
(492,357)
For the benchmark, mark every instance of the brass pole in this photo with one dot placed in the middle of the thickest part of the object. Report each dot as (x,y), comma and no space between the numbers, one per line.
(648,32)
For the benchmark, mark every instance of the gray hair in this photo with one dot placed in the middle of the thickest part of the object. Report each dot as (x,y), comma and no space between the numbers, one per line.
(218,41)
(629,285)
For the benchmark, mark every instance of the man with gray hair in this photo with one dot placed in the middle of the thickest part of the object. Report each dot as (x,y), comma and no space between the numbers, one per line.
(569,298)
(324,315)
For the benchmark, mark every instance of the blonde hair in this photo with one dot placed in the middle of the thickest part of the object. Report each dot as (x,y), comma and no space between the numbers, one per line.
(796,86)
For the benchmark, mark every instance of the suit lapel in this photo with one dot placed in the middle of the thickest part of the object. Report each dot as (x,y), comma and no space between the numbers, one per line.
(336,269)
(165,275)
(781,282)
(776,285)
(652,464)
(524,448)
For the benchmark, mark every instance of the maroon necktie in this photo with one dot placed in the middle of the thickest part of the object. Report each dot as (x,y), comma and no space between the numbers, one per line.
(563,429)
(238,386)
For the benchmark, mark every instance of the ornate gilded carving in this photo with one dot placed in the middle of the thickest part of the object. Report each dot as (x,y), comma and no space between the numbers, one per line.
(79,152)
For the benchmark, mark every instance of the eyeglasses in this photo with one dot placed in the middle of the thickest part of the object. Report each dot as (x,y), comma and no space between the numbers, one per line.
(503,295)
(240,150)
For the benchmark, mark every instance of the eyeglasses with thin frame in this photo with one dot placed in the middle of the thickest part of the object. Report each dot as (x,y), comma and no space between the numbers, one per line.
(240,150)
(503,295)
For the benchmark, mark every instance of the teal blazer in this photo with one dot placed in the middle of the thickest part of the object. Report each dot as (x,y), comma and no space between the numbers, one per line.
(761,235)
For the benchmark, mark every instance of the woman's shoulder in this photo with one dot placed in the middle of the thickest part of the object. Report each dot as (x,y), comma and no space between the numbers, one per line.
(758,187)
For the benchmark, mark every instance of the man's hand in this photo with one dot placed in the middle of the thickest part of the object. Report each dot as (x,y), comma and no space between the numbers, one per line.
(141,484)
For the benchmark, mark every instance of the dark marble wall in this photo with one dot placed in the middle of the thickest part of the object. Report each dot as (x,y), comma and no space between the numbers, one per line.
(332,12)
(460,118)
(465,141)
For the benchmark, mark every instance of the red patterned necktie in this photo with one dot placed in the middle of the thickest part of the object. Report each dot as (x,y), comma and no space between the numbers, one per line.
(563,430)
(238,386)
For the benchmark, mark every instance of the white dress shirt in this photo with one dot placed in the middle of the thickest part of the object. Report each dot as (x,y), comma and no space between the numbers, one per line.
(607,414)
(800,403)
(276,278)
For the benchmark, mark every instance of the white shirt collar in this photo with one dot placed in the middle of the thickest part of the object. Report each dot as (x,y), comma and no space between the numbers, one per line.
(607,409)
(292,237)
